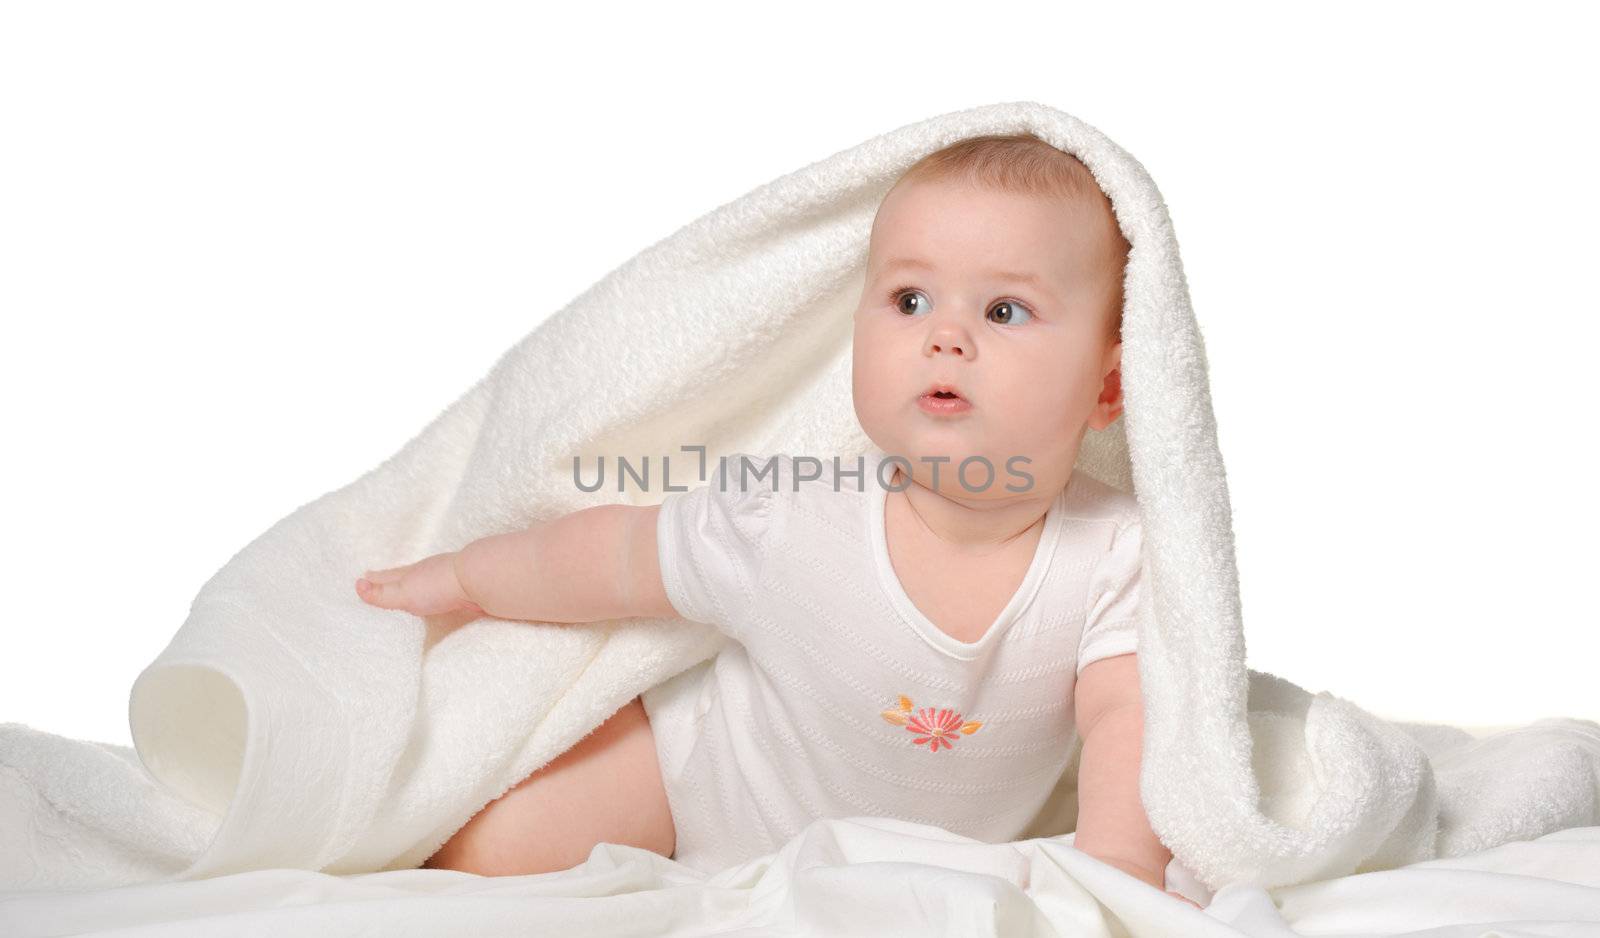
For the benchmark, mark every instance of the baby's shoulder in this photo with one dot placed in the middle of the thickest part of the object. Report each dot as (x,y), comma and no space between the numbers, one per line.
(1089,499)
(810,475)
(777,497)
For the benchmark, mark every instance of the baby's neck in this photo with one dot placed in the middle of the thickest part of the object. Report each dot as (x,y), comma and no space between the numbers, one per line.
(975,527)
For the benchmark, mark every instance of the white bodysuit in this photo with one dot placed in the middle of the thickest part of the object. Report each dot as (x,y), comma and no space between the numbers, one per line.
(837,697)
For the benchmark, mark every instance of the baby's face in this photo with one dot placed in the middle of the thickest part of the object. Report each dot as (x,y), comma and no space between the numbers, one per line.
(1034,355)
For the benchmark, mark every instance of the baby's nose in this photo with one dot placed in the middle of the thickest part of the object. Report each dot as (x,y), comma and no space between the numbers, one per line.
(951,341)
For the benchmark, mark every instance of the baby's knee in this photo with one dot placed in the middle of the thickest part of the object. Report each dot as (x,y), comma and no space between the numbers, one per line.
(470,855)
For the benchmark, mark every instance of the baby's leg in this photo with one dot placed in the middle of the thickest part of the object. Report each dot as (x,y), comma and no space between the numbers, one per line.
(606,788)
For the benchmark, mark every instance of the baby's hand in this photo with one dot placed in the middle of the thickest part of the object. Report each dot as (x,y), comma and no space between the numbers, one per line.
(424,588)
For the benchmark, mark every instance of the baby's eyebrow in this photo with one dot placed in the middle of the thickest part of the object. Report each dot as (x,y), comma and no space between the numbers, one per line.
(1030,278)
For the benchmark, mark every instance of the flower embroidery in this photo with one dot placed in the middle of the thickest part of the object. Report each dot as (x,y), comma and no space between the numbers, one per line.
(936,727)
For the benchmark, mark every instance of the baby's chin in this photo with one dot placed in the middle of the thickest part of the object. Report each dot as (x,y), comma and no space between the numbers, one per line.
(969,472)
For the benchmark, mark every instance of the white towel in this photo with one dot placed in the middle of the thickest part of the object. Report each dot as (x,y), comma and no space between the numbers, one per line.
(288,724)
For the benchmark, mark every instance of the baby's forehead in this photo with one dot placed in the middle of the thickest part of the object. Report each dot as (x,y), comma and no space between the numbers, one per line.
(1086,214)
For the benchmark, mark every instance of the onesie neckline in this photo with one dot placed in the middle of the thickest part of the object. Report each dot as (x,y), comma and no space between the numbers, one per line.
(936,637)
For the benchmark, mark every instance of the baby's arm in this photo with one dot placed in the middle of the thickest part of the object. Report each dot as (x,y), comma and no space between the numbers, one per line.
(585,566)
(1112,824)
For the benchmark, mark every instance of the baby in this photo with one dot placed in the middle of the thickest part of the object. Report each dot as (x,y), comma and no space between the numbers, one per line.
(917,637)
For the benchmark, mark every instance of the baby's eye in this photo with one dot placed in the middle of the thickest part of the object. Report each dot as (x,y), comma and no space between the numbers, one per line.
(900,297)
(1009,311)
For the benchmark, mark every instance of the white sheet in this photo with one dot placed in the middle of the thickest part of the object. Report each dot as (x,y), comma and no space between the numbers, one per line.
(859,876)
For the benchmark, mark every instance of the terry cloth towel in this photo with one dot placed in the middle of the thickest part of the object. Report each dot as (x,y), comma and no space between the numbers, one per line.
(288,724)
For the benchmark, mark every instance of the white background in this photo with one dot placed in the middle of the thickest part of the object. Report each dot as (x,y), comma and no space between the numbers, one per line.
(246,252)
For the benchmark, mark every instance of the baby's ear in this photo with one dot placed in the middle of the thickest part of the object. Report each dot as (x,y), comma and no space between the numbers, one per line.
(1106,416)
(1109,406)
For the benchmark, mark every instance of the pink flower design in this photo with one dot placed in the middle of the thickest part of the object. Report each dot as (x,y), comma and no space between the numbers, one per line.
(936,727)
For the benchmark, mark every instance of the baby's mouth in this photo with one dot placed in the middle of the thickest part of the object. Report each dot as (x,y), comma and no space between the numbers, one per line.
(943,400)
(942,391)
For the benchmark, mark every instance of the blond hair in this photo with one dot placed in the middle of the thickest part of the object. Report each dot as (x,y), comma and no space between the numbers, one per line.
(1022,163)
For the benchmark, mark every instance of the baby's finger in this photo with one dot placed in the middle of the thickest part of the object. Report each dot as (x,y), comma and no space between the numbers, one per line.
(388,575)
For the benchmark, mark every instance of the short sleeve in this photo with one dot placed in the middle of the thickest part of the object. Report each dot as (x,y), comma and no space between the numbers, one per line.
(711,541)
(1109,627)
